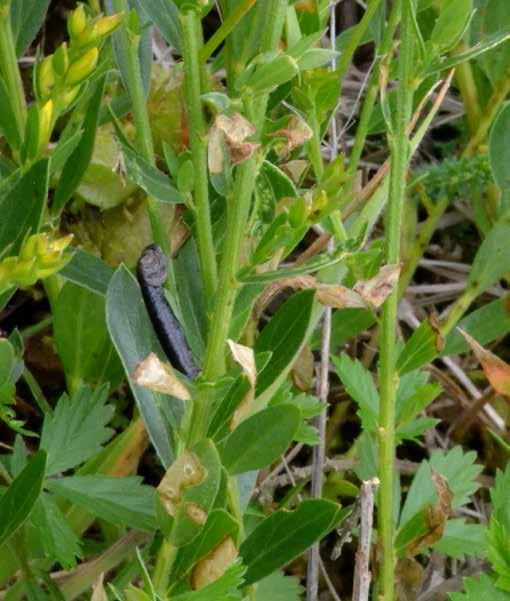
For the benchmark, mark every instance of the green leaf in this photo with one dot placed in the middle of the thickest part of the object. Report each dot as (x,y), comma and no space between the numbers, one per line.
(492,260)
(460,472)
(165,17)
(487,44)
(8,126)
(7,359)
(27,18)
(346,323)
(260,439)
(500,493)
(134,338)
(498,551)
(224,588)
(486,324)
(284,535)
(60,542)
(452,22)
(480,589)
(219,525)
(88,271)
(76,430)
(18,501)
(269,75)
(191,297)
(461,539)
(22,198)
(316,57)
(278,587)
(360,386)
(185,528)
(82,339)
(63,150)
(284,336)
(79,160)
(124,501)
(153,181)
(499,148)
(421,348)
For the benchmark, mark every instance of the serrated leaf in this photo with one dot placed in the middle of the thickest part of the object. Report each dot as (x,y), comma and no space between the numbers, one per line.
(500,493)
(422,347)
(76,430)
(360,386)
(461,539)
(60,542)
(498,551)
(19,499)
(278,587)
(460,472)
(124,501)
(480,589)
(284,535)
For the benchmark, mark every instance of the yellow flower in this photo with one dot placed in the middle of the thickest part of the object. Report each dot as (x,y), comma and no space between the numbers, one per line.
(77,21)
(83,67)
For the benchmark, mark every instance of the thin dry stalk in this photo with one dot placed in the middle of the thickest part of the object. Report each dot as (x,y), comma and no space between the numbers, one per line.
(362,575)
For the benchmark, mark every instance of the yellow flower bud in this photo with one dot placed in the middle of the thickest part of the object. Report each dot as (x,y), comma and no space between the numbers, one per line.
(83,67)
(106,25)
(69,96)
(45,124)
(77,21)
(62,243)
(46,77)
(61,60)
(88,36)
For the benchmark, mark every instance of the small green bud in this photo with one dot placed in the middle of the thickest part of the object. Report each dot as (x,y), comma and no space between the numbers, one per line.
(61,60)
(68,97)
(77,21)
(83,67)
(46,77)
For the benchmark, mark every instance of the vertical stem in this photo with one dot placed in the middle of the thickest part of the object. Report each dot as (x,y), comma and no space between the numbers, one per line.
(163,568)
(237,215)
(371,95)
(399,144)
(192,41)
(467,88)
(129,44)
(10,70)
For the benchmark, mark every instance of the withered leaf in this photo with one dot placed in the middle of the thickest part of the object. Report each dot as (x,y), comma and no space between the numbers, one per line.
(214,564)
(245,357)
(377,289)
(233,132)
(155,375)
(186,471)
(496,370)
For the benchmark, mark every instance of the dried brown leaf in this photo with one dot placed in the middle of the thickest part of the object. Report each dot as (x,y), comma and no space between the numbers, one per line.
(214,564)
(155,375)
(98,592)
(245,357)
(185,472)
(376,290)
(296,133)
(496,370)
(233,131)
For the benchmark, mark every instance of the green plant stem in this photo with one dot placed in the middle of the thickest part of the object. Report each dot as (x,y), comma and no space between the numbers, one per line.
(355,39)
(10,70)
(226,28)
(457,310)
(501,91)
(237,216)
(129,44)
(400,150)
(163,569)
(372,90)
(467,89)
(192,39)
(428,227)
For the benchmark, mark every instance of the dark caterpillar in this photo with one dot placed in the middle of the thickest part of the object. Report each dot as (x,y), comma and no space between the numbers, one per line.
(151,272)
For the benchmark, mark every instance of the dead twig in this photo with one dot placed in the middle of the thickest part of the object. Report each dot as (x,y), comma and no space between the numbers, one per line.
(362,575)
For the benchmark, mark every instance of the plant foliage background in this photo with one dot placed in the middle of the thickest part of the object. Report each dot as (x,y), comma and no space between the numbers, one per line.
(328,184)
